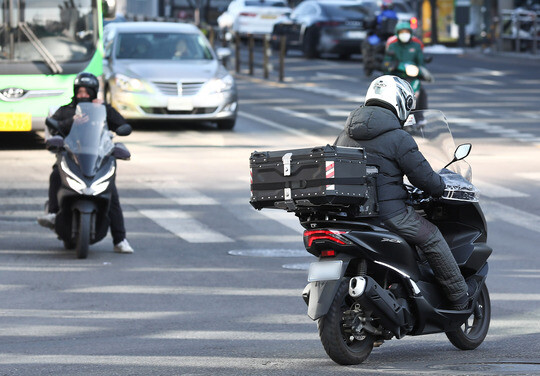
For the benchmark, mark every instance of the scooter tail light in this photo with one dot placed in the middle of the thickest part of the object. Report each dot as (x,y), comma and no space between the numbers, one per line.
(328,253)
(331,235)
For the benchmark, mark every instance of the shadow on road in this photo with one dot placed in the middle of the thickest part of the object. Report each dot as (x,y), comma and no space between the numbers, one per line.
(21,141)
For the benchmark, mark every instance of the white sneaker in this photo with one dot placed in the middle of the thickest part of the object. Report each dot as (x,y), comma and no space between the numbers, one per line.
(47,220)
(123,247)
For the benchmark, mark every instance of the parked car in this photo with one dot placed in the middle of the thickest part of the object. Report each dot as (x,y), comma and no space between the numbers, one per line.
(326,26)
(255,17)
(167,71)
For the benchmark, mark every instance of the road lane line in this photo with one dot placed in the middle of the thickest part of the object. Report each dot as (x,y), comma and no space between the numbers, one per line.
(184,226)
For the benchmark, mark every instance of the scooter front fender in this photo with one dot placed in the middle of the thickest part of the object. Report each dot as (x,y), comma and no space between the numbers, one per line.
(320,295)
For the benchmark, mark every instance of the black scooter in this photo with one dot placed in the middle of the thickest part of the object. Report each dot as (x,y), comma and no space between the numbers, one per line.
(369,285)
(86,161)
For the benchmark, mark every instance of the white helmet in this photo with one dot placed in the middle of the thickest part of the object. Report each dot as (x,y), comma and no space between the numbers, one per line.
(394,92)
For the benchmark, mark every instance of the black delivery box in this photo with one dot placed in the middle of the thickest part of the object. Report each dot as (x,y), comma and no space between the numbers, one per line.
(318,178)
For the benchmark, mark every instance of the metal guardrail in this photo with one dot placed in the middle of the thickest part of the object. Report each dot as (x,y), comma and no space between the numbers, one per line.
(520,30)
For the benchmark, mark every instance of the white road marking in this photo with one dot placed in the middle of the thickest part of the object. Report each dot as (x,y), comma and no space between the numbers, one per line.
(496,191)
(184,226)
(186,290)
(285,218)
(302,115)
(303,136)
(508,214)
(180,193)
(338,113)
(494,129)
(235,335)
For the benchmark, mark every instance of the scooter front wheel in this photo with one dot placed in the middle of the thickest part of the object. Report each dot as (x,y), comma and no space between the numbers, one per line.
(473,332)
(83,236)
(339,343)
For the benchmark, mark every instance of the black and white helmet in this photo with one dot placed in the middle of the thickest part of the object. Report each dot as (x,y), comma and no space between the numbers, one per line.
(87,80)
(393,92)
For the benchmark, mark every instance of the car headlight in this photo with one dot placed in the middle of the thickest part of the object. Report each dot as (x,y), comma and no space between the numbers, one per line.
(128,83)
(218,85)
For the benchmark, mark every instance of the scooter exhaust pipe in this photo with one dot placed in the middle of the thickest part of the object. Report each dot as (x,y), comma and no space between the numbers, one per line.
(381,302)
(357,286)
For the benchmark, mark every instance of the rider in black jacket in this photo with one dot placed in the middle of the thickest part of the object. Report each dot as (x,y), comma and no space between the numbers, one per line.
(377,127)
(85,89)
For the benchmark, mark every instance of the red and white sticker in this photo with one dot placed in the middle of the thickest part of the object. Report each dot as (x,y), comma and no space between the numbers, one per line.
(330,174)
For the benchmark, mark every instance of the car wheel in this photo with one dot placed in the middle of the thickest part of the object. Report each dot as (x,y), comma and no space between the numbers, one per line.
(226,124)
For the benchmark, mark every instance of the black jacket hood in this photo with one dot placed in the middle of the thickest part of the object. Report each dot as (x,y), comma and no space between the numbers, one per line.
(368,122)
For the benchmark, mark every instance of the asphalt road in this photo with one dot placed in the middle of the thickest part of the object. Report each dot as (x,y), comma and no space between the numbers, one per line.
(214,286)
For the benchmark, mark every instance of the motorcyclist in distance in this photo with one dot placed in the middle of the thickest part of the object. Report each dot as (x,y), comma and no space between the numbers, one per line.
(386,20)
(407,49)
(377,127)
(85,89)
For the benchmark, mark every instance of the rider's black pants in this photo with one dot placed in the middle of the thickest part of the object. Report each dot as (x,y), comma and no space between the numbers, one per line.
(417,230)
(118,230)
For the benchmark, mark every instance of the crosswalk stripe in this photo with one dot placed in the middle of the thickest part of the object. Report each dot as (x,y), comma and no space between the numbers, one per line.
(302,115)
(184,226)
(180,193)
(496,191)
(497,211)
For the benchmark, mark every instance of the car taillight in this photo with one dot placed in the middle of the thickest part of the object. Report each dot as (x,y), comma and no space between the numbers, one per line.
(328,23)
(247,14)
(331,235)
(414,23)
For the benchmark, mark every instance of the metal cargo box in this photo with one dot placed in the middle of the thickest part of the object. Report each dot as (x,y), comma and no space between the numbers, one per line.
(320,177)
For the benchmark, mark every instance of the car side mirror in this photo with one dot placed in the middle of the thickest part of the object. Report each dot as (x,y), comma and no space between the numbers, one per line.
(120,151)
(223,53)
(52,123)
(124,130)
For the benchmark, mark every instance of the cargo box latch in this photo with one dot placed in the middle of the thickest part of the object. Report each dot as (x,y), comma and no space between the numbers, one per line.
(287,164)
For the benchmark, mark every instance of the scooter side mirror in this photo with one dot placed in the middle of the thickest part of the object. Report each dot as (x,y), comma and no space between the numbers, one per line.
(124,130)
(462,151)
(120,151)
(54,143)
(52,123)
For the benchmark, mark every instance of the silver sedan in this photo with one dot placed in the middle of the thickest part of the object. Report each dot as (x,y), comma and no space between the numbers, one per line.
(167,71)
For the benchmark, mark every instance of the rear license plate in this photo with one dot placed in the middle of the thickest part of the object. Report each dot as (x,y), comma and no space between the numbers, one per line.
(268,16)
(15,122)
(180,104)
(325,271)
(356,34)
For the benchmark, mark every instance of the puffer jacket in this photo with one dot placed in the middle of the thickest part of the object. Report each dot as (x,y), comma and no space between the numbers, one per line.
(64,116)
(394,152)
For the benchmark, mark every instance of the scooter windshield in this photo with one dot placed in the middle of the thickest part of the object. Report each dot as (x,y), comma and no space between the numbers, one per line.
(432,134)
(88,140)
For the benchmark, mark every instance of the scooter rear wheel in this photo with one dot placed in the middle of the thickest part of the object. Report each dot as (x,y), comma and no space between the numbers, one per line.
(83,236)
(473,332)
(340,346)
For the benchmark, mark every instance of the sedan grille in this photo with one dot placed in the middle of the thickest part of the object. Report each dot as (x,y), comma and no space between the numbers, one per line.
(187,88)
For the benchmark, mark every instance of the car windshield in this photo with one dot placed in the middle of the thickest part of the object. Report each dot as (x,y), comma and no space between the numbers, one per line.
(265,4)
(346,11)
(66,29)
(162,46)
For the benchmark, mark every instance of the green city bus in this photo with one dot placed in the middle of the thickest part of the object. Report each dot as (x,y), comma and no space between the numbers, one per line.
(44,44)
